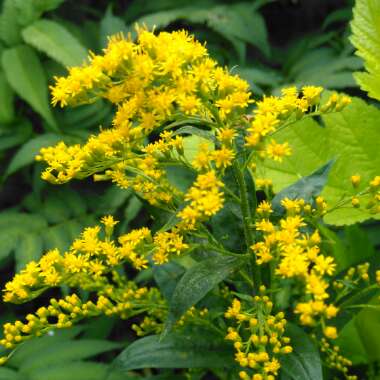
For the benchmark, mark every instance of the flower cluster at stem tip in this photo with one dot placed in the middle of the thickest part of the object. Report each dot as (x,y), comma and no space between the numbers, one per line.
(159,86)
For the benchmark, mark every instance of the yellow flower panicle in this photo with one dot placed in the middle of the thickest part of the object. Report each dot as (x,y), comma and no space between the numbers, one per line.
(205,199)
(155,80)
(258,337)
(90,259)
(122,298)
(297,254)
(273,112)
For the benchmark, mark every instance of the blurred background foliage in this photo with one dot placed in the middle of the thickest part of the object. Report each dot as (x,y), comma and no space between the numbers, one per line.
(270,43)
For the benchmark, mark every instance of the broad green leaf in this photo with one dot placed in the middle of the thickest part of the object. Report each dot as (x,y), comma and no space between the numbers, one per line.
(9,374)
(36,346)
(65,351)
(7,97)
(77,370)
(342,137)
(366,38)
(28,80)
(29,248)
(31,10)
(188,129)
(194,350)
(368,323)
(306,188)
(197,282)
(235,22)
(27,153)
(9,25)
(349,249)
(191,145)
(325,68)
(304,363)
(110,25)
(56,41)
(167,277)
(351,345)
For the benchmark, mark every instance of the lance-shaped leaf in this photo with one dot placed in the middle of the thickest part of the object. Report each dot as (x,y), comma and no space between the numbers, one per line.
(56,41)
(306,188)
(197,282)
(26,76)
(198,349)
(304,363)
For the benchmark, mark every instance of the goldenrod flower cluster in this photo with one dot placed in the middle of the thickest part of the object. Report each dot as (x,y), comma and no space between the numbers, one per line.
(205,199)
(159,79)
(273,112)
(297,255)
(89,260)
(157,85)
(119,297)
(335,360)
(258,337)
(372,191)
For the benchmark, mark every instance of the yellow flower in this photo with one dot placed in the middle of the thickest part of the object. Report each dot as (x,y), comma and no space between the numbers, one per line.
(278,151)
(330,332)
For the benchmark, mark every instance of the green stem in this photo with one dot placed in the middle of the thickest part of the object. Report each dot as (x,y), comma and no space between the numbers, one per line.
(358,295)
(247,220)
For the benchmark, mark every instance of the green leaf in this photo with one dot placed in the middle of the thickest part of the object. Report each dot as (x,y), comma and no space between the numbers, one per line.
(306,188)
(167,277)
(16,134)
(351,345)
(31,10)
(342,138)
(7,98)
(368,323)
(56,41)
(189,130)
(325,68)
(9,374)
(28,80)
(197,282)
(195,350)
(14,225)
(74,370)
(110,25)
(65,351)
(29,248)
(57,237)
(9,25)
(366,38)
(191,146)
(236,22)
(240,21)
(38,345)
(111,200)
(27,153)
(339,15)
(304,363)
